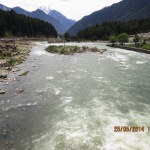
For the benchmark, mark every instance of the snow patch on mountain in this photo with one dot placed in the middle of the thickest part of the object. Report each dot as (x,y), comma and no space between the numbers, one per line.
(45,9)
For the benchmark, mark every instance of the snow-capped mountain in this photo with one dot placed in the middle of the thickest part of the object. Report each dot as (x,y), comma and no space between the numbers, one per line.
(47,10)
(58,20)
(55,14)
(67,23)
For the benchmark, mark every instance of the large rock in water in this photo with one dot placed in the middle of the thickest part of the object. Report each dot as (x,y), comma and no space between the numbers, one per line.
(2,91)
(3,76)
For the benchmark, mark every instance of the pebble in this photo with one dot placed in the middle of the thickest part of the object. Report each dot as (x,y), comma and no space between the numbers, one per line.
(19,90)
(5,109)
(9,144)
(7,116)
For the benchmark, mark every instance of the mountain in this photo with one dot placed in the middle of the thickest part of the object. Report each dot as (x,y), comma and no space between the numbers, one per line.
(124,10)
(59,21)
(2,7)
(42,16)
(67,23)
(46,9)
(39,14)
(21,11)
(14,24)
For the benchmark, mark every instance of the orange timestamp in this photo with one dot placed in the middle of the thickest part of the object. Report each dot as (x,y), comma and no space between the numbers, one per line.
(130,129)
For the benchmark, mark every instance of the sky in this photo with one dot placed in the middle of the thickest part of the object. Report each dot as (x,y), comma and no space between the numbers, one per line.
(73,9)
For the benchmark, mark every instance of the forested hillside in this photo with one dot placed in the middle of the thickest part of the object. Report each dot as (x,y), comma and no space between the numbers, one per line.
(13,24)
(124,10)
(106,29)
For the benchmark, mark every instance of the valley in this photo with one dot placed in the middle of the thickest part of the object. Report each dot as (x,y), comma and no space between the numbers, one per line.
(74,84)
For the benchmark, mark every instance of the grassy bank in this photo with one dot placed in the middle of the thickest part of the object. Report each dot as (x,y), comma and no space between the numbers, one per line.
(144,48)
(70,50)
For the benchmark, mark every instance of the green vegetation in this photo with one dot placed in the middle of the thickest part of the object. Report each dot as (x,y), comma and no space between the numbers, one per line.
(142,46)
(70,50)
(123,38)
(113,39)
(11,62)
(125,10)
(103,31)
(146,46)
(13,24)
(136,40)
(10,54)
(66,50)
(139,41)
(139,46)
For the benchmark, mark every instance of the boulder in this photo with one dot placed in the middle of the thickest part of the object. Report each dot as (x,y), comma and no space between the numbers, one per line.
(2,91)
(3,76)
(24,73)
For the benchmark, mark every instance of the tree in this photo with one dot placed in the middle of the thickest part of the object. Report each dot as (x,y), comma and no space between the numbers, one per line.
(113,39)
(136,40)
(13,24)
(144,41)
(67,36)
(104,30)
(105,38)
(123,38)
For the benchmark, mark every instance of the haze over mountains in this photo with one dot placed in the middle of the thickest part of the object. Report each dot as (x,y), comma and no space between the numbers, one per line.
(59,21)
(124,10)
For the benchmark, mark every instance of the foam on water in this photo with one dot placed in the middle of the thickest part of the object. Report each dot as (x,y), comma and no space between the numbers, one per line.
(57,90)
(20,106)
(66,100)
(59,71)
(92,127)
(89,112)
(85,96)
(82,70)
(98,78)
(117,57)
(49,78)
(40,49)
(140,62)
(71,71)
(39,52)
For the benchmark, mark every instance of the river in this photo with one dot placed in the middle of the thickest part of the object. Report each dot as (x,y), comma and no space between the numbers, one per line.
(75,102)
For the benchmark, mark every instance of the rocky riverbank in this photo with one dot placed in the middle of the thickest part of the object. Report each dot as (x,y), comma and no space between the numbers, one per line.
(12,53)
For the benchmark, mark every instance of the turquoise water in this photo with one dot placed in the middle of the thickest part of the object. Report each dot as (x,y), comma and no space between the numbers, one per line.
(74,102)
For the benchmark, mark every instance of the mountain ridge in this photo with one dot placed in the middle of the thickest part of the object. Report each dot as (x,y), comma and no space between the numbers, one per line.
(62,24)
(67,23)
(19,25)
(5,8)
(123,10)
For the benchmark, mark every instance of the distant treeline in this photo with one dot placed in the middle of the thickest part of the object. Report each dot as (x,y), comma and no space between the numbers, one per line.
(13,24)
(103,31)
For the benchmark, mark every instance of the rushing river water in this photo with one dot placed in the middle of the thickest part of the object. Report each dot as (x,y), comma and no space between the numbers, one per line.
(74,102)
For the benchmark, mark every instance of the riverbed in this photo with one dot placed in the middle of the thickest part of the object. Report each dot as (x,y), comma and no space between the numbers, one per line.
(75,102)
